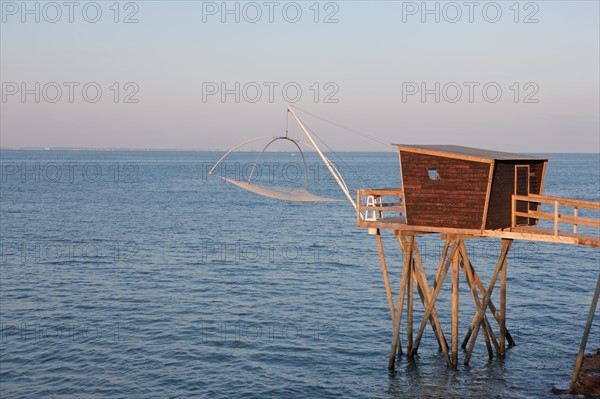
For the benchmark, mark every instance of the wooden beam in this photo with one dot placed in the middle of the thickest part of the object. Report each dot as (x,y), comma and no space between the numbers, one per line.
(561,218)
(441,263)
(386,278)
(544,235)
(455,260)
(549,199)
(503,309)
(586,332)
(518,233)
(444,154)
(392,192)
(555,218)
(487,195)
(513,212)
(358,206)
(409,305)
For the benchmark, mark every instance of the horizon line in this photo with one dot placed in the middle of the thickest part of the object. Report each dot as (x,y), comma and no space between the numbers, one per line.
(222,150)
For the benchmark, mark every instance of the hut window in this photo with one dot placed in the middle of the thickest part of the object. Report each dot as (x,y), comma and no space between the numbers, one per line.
(433,174)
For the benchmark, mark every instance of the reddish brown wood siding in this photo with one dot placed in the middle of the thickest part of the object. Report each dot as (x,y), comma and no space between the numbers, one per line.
(503,187)
(456,200)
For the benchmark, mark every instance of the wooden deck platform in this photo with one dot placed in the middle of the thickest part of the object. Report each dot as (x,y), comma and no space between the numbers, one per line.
(376,215)
(528,233)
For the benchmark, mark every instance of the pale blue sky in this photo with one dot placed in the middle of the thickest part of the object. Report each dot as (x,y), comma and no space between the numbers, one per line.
(369,55)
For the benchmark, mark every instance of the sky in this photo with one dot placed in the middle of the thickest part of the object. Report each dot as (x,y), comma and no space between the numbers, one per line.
(193,75)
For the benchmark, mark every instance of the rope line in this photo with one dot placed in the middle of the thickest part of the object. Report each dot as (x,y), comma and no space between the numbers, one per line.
(358,132)
(338,156)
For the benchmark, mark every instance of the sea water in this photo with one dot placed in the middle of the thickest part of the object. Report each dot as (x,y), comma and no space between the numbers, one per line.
(135,274)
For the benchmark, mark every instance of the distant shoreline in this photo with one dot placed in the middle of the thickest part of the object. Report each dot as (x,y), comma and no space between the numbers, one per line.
(392,150)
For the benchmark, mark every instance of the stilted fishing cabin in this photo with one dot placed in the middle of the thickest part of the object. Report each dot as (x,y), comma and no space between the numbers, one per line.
(463,193)
(460,193)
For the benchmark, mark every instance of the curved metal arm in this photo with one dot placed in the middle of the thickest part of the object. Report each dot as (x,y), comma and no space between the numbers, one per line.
(267,146)
(235,148)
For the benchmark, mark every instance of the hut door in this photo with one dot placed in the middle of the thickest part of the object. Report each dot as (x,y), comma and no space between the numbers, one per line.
(522,188)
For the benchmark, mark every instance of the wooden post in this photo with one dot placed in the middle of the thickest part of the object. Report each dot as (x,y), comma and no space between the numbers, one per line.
(555,218)
(506,243)
(455,261)
(386,278)
(503,308)
(398,316)
(575,214)
(409,305)
(358,215)
(442,259)
(513,209)
(586,333)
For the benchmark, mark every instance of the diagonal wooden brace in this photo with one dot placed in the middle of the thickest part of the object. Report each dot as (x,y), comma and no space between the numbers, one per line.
(438,285)
(506,243)
(493,309)
(425,294)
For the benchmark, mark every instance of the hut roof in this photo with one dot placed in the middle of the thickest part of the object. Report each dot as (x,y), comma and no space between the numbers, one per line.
(468,152)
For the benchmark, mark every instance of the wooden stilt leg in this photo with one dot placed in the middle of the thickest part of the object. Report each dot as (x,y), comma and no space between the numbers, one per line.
(409,308)
(487,330)
(503,309)
(398,316)
(586,332)
(506,243)
(386,278)
(455,293)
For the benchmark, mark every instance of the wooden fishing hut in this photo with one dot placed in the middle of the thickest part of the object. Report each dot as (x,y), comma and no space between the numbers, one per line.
(464,193)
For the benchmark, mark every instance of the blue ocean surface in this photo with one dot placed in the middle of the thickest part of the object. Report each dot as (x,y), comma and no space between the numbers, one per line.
(134,274)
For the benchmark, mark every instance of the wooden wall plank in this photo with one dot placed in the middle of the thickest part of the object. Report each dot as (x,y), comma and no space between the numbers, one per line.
(456,200)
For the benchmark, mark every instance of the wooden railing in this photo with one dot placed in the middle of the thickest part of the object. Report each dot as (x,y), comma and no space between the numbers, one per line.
(371,202)
(573,218)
